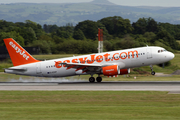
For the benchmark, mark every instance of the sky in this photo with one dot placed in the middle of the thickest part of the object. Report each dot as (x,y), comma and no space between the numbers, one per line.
(164,3)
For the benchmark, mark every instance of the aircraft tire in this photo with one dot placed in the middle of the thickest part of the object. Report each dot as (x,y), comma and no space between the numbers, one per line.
(153,73)
(99,79)
(91,79)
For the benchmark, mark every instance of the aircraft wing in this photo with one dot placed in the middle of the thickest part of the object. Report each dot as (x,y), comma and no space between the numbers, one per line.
(84,67)
(89,67)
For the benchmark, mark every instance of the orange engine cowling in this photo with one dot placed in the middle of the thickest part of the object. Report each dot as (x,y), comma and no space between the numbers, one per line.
(114,70)
(111,70)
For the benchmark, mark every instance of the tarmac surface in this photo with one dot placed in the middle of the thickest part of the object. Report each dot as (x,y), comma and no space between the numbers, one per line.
(171,87)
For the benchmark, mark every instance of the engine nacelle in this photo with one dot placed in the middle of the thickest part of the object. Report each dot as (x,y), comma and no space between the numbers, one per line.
(111,70)
(114,70)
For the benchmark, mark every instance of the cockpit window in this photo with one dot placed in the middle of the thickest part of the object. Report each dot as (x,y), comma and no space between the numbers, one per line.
(160,51)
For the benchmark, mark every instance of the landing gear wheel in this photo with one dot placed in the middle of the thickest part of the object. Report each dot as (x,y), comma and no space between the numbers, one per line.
(99,79)
(91,79)
(153,73)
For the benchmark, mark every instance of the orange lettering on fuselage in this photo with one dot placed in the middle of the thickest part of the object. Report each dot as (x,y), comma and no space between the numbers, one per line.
(99,58)
(66,61)
(92,59)
(132,53)
(74,60)
(57,64)
(123,57)
(106,57)
(114,56)
(82,60)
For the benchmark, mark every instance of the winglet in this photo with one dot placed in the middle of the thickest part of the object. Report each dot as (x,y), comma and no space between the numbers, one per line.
(19,55)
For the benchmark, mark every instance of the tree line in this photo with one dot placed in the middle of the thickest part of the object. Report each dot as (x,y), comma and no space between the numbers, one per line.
(118,33)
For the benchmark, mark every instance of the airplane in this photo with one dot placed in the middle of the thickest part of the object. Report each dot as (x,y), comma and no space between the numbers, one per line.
(108,63)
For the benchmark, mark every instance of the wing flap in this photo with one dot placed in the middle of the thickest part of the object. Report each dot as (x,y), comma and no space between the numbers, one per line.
(84,67)
(75,65)
(89,67)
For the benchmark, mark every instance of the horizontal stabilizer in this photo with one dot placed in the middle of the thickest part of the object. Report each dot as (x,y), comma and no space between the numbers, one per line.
(14,69)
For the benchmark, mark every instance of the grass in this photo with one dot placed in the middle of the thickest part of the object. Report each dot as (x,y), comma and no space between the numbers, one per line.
(65,105)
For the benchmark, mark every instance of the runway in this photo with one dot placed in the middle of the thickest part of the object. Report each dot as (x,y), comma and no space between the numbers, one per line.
(173,87)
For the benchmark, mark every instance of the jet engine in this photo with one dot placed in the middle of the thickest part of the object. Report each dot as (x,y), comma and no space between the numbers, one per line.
(124,71)
(114,70)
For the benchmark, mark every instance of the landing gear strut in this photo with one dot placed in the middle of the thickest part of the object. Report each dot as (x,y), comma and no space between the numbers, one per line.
(152,72)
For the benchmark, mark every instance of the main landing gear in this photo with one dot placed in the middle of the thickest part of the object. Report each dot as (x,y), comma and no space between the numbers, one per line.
(92,79)
(99,79)
(152,72)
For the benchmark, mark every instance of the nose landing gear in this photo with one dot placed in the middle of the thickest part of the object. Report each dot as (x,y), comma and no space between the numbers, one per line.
(152,72)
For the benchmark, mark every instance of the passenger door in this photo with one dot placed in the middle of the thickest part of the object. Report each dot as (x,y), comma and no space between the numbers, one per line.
(149,53)
(38,68)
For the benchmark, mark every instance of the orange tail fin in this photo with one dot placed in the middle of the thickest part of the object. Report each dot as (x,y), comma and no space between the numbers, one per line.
(19,56)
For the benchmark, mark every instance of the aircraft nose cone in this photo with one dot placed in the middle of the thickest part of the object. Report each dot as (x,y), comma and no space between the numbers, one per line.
(171,56)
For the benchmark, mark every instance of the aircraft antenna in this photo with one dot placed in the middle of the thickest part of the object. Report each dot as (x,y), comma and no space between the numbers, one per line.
(100,40)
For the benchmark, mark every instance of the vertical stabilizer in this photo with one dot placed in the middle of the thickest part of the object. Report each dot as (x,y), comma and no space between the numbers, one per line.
(19,55)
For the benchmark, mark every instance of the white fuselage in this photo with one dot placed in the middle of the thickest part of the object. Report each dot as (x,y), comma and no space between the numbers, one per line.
(128,58)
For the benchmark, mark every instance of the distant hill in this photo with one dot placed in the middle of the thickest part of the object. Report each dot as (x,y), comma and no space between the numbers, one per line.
(102,2)
(61,14)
